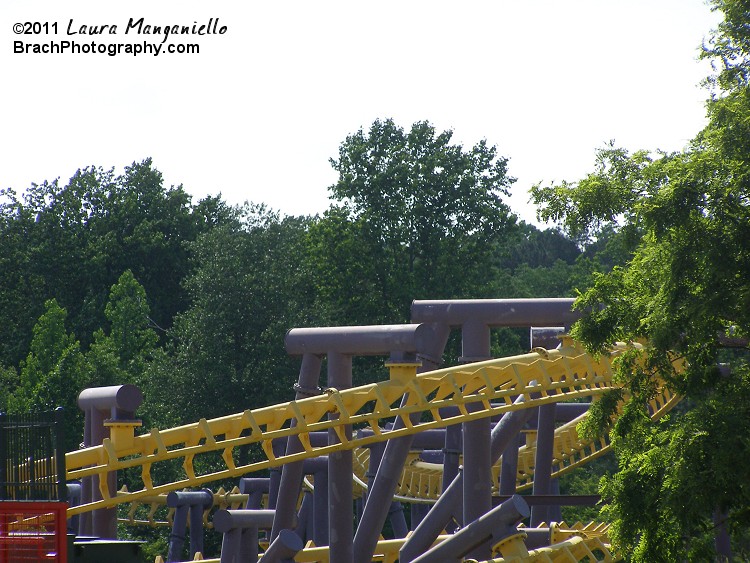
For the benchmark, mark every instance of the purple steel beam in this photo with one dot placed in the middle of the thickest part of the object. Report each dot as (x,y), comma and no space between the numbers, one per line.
(495,525)
(547,337)
(722,542)
(240,529)
(320,505)
(177,537)
(417,512)
(450,501)
(340,469)
(120,403)
(340,344)
(283,549)
(452,453)
(509,469)
(357,340)
(477,482)
(305,523)
(292,473)
(423,536)
(554,499)
(496,312)
(194,503)
(432,343)
(254,488)
(545,441)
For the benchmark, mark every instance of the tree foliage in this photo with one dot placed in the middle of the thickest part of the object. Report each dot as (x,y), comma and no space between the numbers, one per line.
(72,242)
(247,289)
(685,284)
(421,212)
(52,374)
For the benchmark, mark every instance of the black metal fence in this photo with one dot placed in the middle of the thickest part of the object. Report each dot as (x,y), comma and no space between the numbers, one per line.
(32,459)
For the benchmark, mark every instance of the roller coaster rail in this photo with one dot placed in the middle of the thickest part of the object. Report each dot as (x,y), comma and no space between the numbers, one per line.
(542,377)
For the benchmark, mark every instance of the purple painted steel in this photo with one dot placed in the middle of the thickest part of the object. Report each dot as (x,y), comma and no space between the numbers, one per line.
(477,475)
(493,526)
(292,473)
(125,398)
(432,524)
(509,469)
(340,469)
(358,340)
(545,442)
(452,455)
(177,537)
(254,488)
(547,337)
(496,312)
(306,519)
(431,343)
(450,501)
(119,402)
(225,520)
(320,505)
(283,549)
(194,503)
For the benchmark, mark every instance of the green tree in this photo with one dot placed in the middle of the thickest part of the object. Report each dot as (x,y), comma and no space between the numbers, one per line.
(51,375)
(71,242)
(420,213)
(8,384)
(248,288)
(685,286)
(122,356)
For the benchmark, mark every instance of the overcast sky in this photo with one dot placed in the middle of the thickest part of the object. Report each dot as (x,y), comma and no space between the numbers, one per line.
(259,111)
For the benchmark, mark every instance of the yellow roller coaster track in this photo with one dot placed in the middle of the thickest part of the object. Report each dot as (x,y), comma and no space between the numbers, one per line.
(542,377)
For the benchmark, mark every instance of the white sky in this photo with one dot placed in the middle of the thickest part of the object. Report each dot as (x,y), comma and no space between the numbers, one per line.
(258,113)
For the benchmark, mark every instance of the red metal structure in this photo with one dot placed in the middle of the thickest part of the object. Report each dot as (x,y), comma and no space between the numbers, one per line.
(33,532)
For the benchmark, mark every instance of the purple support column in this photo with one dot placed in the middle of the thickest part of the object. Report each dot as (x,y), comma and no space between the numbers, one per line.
(340,344)
(196,527)
(103,520)
(452,455)
(417,513)
(477,485)
(450,501)
(431,344)
(545,440)
(320,505)
(291,475)
(283,549)
(555,511)
(495,525)
(254,488)
(177,537)
(509,469)
(274,480)
(119,402)
(185,503)
(240,529)
(304,527)
(340,469)
(398,520)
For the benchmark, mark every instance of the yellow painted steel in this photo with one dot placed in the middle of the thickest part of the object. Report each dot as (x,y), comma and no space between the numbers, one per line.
(548,375)
(573,550)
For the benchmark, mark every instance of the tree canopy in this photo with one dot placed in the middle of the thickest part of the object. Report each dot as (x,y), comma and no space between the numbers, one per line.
(423,212)
(685,289)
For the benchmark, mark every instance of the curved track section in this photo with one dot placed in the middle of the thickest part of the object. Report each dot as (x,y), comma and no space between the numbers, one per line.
(542,377)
